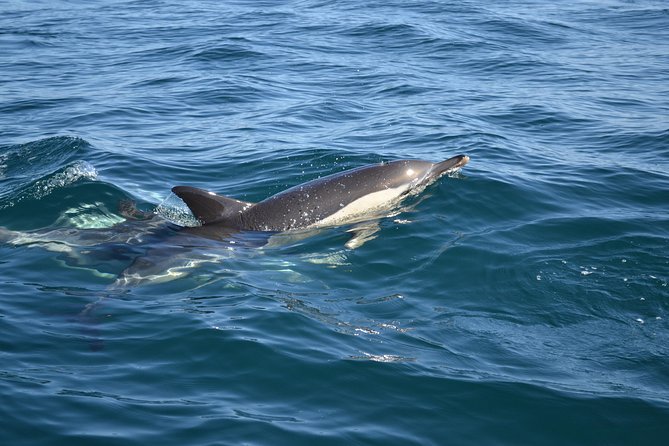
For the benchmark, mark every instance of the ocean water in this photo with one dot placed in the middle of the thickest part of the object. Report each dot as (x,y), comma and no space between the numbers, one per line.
(523,300)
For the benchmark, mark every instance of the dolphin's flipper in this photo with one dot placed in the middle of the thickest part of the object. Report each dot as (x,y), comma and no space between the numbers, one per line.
(362,233)
(207,206)
(129,210)
(290,238)
(7,235)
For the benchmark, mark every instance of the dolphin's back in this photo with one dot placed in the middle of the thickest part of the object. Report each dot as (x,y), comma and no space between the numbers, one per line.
(349,192)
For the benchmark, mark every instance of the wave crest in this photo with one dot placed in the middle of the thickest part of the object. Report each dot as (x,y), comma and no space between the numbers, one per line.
(79,170)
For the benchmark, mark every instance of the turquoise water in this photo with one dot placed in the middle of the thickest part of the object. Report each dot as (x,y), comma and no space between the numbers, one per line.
(521,301)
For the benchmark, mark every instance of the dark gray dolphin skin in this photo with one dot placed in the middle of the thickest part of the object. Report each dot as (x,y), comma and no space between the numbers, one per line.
(332,200)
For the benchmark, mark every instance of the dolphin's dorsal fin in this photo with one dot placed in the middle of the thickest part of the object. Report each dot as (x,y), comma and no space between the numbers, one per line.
(209,207)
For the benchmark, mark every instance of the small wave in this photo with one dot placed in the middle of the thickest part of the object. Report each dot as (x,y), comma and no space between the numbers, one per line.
(79,170)
(75,172)
(37,158)
(28,168)
(382,358)
(225,52)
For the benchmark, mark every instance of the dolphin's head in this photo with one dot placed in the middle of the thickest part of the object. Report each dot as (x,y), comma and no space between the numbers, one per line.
(425,173)
(416,175)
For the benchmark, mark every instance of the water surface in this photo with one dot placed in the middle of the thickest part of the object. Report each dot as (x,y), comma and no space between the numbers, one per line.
(523,301)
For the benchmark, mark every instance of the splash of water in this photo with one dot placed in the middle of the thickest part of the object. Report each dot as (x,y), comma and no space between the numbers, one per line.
(79,170)
(174,210)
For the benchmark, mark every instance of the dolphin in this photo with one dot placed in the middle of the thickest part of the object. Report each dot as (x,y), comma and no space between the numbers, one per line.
(159,250)
(333,200)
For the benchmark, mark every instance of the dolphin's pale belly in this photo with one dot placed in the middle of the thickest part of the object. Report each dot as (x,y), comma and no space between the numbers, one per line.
(363,206)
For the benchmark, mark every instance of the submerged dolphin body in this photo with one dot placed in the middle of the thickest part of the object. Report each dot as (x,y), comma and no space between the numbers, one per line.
(332,200)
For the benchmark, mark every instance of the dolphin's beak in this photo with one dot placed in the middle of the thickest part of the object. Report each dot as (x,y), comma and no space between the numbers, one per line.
(450,165)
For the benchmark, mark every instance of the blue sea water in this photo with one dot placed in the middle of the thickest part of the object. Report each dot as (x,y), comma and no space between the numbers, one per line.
(522,301)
